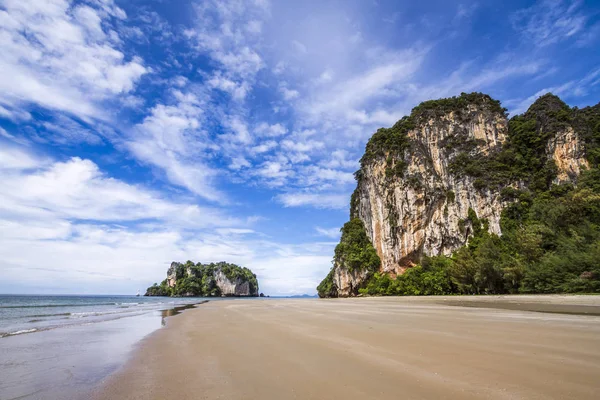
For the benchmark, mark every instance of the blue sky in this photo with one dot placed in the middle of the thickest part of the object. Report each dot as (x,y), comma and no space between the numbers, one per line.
(134,133)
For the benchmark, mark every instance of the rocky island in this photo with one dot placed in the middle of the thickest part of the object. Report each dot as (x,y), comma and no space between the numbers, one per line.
(457,199)
(206,280)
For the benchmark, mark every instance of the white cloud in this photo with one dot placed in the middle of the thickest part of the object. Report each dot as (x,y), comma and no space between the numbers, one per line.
(254,27)
(235,231)
(13,138)
(326,76)
(12,158)
(275,172)
(228,32)
(333,233)
(238,163)
(180,81)
(171,138)
(244,63)
(66,131)
(133,102)
(299,47)
(240,130)
(289,94)
(264,147)
(340,159)
(317,200)
(77,190)
(14,115)
(298,272)
(313,175)
(264,129)
(279,68)
(550,21)
(348,97)
(238,90)
(58,56)
(302,147)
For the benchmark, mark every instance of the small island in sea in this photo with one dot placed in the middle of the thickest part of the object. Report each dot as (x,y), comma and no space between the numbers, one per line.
(206,280)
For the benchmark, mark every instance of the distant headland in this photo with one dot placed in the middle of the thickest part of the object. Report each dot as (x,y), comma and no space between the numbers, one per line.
(206,280)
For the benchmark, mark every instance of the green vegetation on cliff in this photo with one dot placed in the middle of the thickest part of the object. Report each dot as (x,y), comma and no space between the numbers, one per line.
(458,105)
(550,239)
(354,252)
(327,288)
(430,278)
(200,280)
(159,290)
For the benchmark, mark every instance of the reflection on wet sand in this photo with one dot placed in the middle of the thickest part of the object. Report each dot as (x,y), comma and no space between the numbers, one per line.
(177,310)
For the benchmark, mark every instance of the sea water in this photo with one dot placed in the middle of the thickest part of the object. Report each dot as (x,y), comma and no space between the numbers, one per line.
(22,314)
(61,347)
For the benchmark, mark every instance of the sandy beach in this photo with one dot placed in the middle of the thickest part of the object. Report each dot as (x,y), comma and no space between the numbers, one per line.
(371,348)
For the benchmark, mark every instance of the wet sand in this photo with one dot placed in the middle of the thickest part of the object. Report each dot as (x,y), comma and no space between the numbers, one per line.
(69,361)
(371,348)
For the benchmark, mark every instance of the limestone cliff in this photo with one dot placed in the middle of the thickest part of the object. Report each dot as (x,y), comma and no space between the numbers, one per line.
(424,180)
(421,212)
(234,286)
(215,279)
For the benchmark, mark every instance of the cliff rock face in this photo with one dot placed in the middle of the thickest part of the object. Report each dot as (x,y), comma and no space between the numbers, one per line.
(347,282)
(233,287)
(215,279)
(418,188)
(422,212)
(566,149)
(172,274)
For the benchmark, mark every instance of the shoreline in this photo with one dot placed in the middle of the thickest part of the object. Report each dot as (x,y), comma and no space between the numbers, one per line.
(73,314)
(69,361)
(371,347)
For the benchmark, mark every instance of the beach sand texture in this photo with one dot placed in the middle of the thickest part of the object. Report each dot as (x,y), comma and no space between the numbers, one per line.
(370,348)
